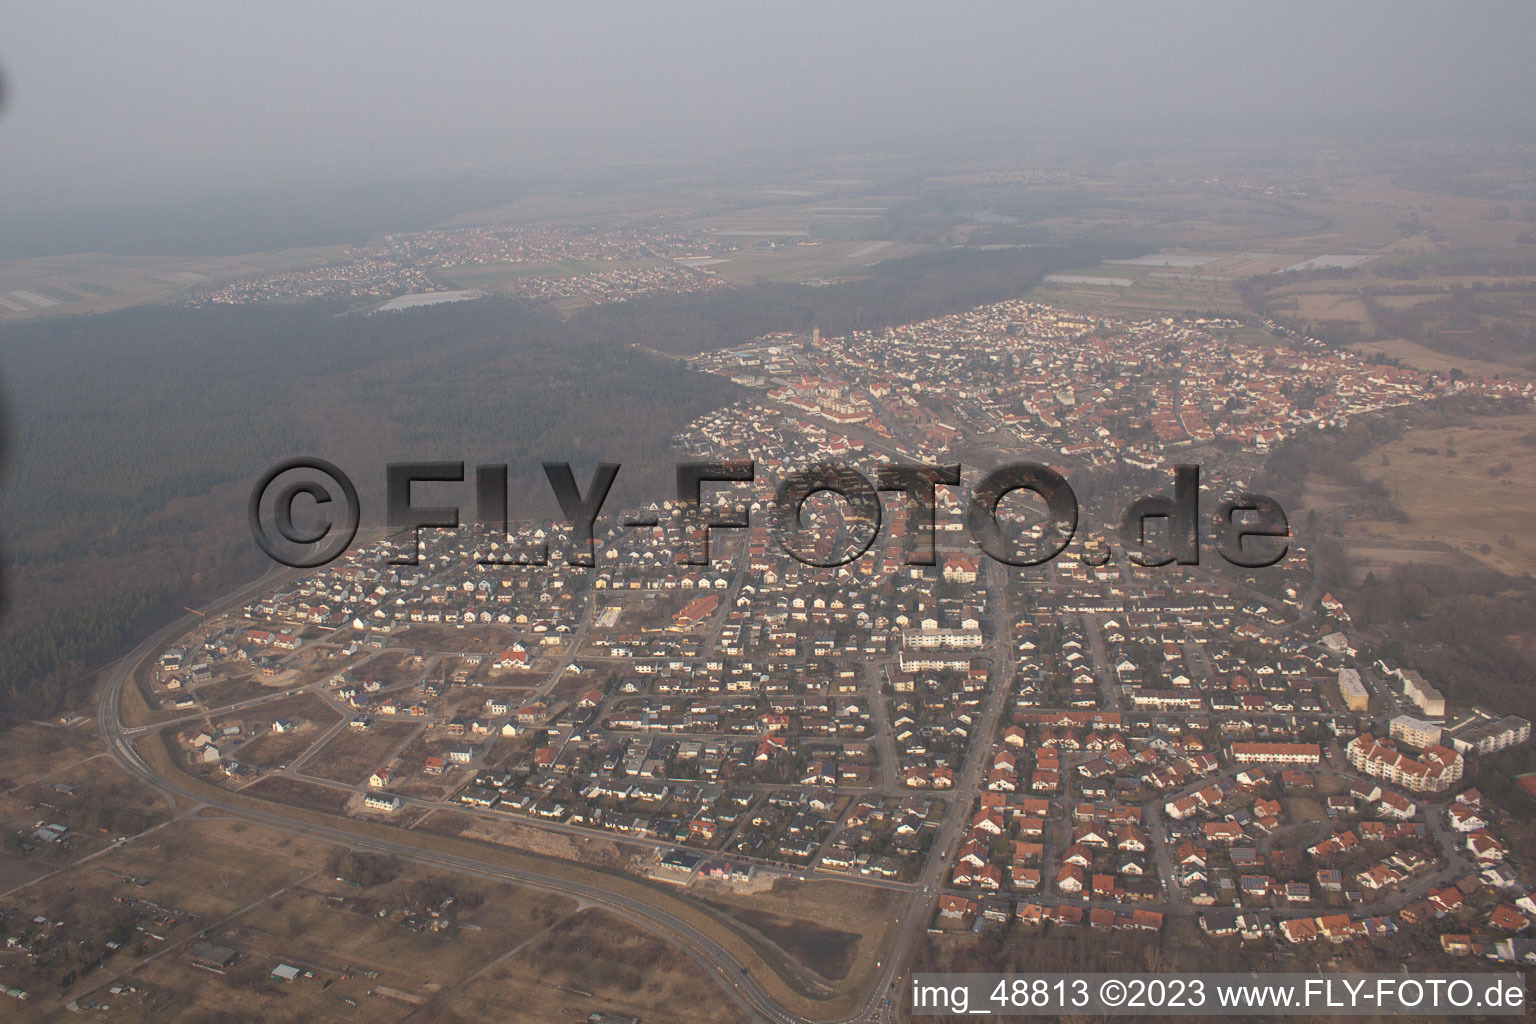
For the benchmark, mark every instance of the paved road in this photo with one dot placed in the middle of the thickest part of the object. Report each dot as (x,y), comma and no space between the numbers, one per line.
(967,784)
(715,960)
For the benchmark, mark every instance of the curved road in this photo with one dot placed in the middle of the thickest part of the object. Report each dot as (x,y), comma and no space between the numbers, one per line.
(716,961)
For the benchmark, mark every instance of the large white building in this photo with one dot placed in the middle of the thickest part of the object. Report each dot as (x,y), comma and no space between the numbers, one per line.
(933,661)
(1437,768)
(1167,700)
(1276,753)
(1417,689)
(1415,731)
(1483,733)
(1352,690)
(941,639)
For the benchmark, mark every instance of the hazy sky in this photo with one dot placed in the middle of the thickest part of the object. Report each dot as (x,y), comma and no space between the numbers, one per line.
(118,101)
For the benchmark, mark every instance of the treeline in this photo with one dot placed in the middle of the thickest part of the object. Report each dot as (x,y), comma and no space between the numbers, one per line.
(44,668)
(1480,322)
(897,291)
(1465,629)
(363,869)
(1333,454)
(1255,291)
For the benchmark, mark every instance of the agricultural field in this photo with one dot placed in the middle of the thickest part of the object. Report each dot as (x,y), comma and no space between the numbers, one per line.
(808,260)
(1471,313)
(98,282)
(1151,292)
(497,276)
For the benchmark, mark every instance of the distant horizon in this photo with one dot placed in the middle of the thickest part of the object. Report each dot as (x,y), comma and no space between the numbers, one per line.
(199,100)
(230,218)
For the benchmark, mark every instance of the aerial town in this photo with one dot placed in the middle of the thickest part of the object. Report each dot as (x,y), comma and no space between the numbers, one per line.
(1091,742)
(548,265)
(596,518)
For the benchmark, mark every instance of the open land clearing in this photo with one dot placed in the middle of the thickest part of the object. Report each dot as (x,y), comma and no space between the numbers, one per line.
(371,950)
(352,755)
(850,930)
(595,963)
(1471,488)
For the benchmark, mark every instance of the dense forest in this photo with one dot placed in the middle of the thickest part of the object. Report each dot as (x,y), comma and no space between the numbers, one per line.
(897,291)
(133,438)
(1463,628)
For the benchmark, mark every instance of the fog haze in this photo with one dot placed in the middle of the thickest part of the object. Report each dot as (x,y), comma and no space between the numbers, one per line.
(114,103)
